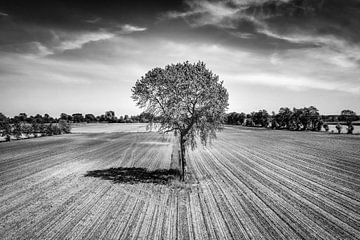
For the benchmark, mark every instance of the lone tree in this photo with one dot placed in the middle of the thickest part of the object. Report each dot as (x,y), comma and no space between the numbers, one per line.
(187,99)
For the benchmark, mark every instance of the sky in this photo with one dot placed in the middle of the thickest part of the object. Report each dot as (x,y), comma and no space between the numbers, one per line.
(85,56)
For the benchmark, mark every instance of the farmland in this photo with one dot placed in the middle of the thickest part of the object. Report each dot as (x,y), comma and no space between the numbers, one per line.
(248,184)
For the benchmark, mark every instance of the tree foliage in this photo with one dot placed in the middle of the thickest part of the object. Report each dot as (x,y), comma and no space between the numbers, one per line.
(187,98)
(299,119)
(236,118)
(261,118)
(64,126)
(350,128)
(338,128)
(17,129)
(284,117)
(23,126)
(348,116)
(5,127)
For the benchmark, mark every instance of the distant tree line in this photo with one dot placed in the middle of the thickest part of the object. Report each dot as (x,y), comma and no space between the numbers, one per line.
(34,126)
(296,119)
(26,126)
(108,117)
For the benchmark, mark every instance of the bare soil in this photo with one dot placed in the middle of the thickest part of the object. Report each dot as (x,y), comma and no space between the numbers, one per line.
(113,184)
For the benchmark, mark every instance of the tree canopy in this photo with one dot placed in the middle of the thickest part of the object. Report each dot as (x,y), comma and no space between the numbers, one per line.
(348,116)
(187,98)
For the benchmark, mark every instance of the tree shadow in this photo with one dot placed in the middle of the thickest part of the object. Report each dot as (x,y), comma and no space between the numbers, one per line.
(135,175)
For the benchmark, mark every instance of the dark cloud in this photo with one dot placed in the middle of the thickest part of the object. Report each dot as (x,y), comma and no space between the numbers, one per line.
(322,17)
(27,25)
(281,24)
(81,14)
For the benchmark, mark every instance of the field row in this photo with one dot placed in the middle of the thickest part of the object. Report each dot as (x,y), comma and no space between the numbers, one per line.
(249,184)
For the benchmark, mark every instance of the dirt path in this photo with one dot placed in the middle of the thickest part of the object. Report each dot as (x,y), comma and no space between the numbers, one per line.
(250,184)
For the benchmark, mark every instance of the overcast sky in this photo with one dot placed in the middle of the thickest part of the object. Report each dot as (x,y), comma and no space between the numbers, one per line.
(61,56)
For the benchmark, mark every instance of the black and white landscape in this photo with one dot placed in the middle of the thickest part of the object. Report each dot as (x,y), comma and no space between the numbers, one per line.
(180,119)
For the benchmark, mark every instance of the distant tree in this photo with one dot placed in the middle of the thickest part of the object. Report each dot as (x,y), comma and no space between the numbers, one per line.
(240,118)
(38,118)
(64,126)
(318,125)
(146,117)
(102,118)
(66,117)
(90,118)
(42,129)
(22,117)
(26,129)
(46,118)
(350,128)
(338,127)
(35,127)
(121,119)
(49,130)
(314,120)
(30,119)
(2,117)
(5,127)
(110,116)
(249,122)
(55,129)
(135,118)
(283,118)
(188,99)
(297,119)
(229,118)
(17,129)
(78,118)
(348,116)
(335,119)
(347,112)
(235,118)
(306,118)
(274,124)
(261,118)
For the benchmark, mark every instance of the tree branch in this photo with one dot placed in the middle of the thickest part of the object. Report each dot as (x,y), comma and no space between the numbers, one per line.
(162,107)
(172,129)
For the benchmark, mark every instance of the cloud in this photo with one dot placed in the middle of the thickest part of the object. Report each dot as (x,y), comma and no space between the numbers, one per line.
(78,40)
(115,64)
(93,20)
(56,41)
(202,13)
(28,49)
(127,29)
(225,14)
(2,14)
(295,83)
(317,69)
(40,50)
(242,35)
(345,54)
(310,24)
(262,50)
(42,40)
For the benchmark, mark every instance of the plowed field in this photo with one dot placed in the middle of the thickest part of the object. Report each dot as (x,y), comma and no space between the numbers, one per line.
(249,184)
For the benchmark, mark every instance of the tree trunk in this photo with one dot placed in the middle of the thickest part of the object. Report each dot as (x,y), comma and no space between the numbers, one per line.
(182,155)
